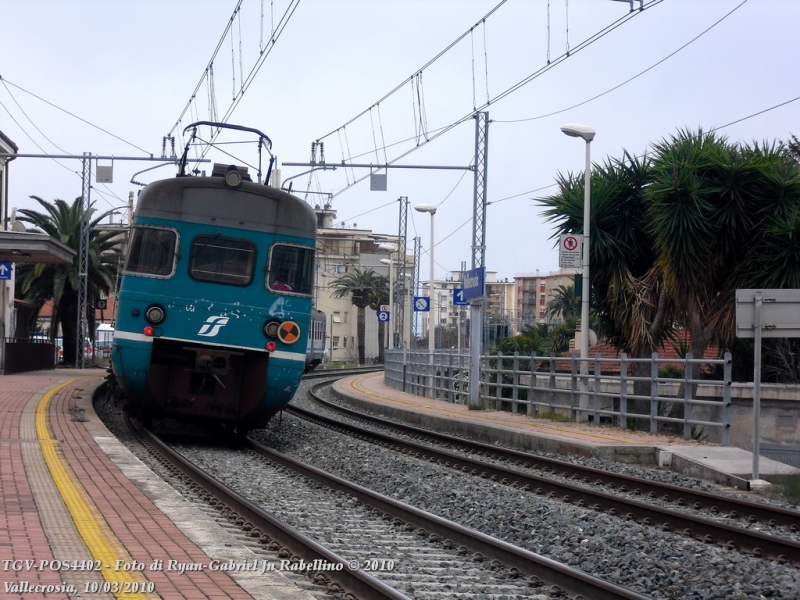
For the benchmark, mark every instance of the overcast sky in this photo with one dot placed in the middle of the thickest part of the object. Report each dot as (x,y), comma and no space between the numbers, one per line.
(130,68)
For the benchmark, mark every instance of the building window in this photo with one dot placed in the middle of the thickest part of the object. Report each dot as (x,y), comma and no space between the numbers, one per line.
(344,340)
(337,317)
(335,342)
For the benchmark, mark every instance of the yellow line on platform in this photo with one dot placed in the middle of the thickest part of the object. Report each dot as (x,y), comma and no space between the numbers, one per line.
(96,534)
(356,384)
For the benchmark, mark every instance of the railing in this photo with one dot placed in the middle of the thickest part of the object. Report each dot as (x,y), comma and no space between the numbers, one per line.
(622,392)
(23,355)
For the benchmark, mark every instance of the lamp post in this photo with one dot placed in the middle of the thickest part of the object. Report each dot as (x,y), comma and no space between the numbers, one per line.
(587,134)
(429,208)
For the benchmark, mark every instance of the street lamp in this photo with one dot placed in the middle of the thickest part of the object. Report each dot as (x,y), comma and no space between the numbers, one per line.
(587,134)
(429,208)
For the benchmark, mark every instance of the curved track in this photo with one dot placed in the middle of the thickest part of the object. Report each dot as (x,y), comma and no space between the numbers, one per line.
(440,540)
(619,501)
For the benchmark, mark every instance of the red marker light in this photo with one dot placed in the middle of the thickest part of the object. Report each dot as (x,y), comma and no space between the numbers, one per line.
(271,346)
(148,331)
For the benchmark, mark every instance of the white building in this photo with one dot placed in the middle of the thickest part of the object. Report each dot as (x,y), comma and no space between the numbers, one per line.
(340,249)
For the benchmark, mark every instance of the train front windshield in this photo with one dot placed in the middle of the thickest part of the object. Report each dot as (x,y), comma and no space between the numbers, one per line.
(291,269)
(152,252)
(222,260)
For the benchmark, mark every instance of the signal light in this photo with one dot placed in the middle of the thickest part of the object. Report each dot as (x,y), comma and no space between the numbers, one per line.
(271,346)
(148,331)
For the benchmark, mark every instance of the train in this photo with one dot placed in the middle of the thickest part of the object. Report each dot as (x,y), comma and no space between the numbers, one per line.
(315,348)
(214,318)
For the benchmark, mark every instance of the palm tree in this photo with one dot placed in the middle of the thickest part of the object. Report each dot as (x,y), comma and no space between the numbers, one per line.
(564,303)
(362,287)
(628,296)
(39,282)
(675,234)
(380,295)
(723,217)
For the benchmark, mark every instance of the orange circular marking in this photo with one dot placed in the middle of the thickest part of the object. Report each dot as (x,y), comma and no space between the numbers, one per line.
(289,332)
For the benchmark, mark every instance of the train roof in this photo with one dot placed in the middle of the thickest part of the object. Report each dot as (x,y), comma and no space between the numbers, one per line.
(205,200)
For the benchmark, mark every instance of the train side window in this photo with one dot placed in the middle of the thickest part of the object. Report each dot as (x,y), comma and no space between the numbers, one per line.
(222,260)
(152,252)
(291,269)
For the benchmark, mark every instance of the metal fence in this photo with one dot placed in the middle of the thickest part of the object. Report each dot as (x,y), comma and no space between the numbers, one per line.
(32,354)
(664,395)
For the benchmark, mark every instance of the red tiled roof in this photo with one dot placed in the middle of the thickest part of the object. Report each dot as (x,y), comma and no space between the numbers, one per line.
(102,316)
(666,350)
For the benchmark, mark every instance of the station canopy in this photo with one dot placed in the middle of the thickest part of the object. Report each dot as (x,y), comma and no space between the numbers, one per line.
(24,246)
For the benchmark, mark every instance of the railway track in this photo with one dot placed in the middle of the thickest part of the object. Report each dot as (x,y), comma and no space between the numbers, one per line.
(386,549)
(601,491)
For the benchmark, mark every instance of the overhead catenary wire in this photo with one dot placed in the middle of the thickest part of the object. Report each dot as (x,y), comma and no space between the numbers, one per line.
(411,78)
(429,138)
(90,124)
(630,79)
(232,28)
(176,126)
(552,185)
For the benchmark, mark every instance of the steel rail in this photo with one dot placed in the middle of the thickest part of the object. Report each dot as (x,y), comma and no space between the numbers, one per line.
(361,583)
(572,580)
(752,511)
(707,530)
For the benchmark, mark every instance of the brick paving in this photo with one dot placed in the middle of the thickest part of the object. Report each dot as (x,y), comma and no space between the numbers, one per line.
(35,524)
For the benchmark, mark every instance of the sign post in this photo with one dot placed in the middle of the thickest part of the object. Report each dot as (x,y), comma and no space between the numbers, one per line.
(770,314)
(473,291)
(569,251)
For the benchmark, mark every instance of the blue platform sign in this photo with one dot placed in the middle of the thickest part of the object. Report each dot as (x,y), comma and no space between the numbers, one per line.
(422,304)
(383,316)
(458,297)
(474,283)
(5,270)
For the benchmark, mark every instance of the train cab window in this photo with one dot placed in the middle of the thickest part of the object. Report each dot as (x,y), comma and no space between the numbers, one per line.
(222,260)
(290,269)
(152,252)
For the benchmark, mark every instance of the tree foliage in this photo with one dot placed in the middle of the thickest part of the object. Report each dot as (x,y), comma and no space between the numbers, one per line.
(364,287)
(676,232)
(40,282)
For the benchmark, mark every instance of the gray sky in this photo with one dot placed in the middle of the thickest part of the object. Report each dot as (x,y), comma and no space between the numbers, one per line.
(130,68)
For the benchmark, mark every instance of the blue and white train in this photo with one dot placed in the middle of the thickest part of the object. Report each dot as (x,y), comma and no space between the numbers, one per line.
(214,311)
(315,349)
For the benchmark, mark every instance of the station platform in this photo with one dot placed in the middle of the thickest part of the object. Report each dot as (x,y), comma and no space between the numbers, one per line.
(724,465)
(81,517)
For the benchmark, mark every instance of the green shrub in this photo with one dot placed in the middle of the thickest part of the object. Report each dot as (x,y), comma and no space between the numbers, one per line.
(670,372)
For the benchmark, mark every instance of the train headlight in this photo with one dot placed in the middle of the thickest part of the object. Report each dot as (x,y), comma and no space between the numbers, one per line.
(155,314)
(233,177)
(271,329)
(148,331)
(271,346)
